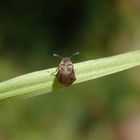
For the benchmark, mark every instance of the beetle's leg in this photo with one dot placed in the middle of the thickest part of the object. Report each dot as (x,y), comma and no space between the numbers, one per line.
(74,68)
(54,73)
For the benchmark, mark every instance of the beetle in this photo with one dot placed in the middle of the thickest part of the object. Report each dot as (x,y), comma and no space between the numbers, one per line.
(65,72)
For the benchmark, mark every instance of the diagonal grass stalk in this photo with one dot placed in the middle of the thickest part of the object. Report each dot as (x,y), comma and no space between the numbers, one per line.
(44,81)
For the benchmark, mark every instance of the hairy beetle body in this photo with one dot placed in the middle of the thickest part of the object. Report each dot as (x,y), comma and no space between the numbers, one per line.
(65,71)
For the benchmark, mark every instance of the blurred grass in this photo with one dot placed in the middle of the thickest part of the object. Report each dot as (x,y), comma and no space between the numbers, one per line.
(31,31)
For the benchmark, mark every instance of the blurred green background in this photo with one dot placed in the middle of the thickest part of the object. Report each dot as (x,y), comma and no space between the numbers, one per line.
(102,109)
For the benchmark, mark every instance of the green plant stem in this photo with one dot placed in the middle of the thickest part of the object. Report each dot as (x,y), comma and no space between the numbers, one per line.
(44,81)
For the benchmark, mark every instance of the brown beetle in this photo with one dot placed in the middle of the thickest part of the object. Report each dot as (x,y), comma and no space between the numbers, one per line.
(65,71)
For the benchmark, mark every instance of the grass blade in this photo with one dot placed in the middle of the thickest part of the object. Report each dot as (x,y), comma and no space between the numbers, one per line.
(44,81)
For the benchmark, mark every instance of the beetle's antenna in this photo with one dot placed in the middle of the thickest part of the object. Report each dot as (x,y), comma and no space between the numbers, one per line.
(56,55)
(74,54)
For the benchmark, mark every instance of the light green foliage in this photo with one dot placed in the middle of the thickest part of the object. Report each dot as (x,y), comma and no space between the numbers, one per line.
(44,81)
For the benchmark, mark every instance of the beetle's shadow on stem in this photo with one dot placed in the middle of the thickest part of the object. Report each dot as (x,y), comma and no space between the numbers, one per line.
(56,84)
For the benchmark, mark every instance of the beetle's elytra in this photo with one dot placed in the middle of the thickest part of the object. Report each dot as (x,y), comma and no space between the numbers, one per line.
(65,71)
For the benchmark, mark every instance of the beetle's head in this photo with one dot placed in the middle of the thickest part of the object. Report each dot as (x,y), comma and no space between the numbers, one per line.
(66,61)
